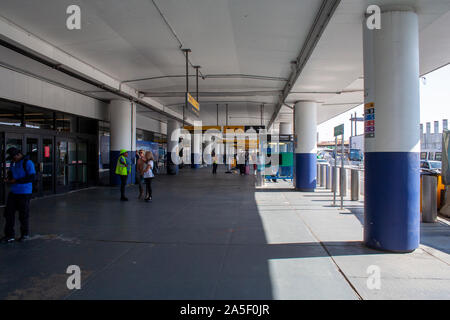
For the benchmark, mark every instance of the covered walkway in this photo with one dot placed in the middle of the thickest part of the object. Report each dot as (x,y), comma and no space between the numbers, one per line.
(213,237)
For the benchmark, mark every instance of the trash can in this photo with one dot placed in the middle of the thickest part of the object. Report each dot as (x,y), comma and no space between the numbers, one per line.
(429,198)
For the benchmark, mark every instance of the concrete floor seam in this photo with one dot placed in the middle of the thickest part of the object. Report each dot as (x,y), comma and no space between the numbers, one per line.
(329,254)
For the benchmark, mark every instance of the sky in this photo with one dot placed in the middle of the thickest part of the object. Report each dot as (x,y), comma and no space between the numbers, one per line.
(434,105)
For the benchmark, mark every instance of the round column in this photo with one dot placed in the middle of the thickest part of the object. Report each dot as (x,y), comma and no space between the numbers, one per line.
(172,146)
(122,116)
(305,141)
(392,134)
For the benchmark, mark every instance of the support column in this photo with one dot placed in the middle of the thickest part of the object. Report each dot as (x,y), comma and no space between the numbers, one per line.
(122,115)
(305,130)
(392,141)
(172,145)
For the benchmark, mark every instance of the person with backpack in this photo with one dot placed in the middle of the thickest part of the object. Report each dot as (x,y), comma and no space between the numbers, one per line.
(149,174)
(21,176)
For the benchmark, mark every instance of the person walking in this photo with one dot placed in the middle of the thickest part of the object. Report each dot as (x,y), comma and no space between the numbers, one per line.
(140,166)
(123,170)
(148,174)
(21,176)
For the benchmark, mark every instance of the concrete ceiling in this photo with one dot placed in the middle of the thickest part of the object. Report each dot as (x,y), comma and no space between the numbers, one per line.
(245,49)
(337,62)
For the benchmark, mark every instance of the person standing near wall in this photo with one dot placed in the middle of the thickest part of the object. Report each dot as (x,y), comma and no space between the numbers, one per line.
(123,169)
(21,176)
(149,175)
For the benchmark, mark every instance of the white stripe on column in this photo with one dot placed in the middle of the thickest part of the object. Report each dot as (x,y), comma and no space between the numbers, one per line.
(394,81)
(305,126)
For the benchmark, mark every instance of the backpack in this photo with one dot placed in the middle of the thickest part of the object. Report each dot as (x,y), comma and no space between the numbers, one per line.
(24,166)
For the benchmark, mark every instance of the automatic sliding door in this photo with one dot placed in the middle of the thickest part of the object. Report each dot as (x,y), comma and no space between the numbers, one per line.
(47,165)
(12,140)
(62,160)
(32,151)
(72,165)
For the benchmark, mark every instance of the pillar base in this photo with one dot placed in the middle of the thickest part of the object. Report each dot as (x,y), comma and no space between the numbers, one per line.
(392,201)
(305,171)
(304,190)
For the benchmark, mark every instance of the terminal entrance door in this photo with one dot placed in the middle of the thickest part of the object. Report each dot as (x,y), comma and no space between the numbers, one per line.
(40,150)
(72,164)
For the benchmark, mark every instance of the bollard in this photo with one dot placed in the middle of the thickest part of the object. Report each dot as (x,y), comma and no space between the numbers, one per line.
(318,173)
(328,177)
(343,182)
(323,175)
(334,177)
(429,199)
(355,185)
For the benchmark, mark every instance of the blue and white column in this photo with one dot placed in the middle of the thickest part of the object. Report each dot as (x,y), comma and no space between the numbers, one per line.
(122,117)
(305,143)
(172,146)
(392,132)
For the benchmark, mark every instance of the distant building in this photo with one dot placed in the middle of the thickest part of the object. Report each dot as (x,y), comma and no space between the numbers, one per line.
(431,143)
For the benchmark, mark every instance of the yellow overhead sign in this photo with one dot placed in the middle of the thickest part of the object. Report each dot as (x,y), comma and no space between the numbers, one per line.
(194,103)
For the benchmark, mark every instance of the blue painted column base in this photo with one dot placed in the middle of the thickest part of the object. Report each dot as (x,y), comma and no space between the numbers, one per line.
(194,159)
(113,177)
(305,172)
(392,201)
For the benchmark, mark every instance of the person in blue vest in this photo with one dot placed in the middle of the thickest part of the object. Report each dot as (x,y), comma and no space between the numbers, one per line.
(123,169)
(21,176)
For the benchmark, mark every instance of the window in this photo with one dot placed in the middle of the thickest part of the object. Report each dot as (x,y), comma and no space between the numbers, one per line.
(65,122)
(10,113)
(38,118)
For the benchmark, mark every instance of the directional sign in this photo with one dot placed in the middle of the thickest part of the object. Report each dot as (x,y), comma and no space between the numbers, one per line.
(339,130)
(194,103)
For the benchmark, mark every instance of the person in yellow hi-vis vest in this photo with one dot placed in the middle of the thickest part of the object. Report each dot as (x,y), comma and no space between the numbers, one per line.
(123,170)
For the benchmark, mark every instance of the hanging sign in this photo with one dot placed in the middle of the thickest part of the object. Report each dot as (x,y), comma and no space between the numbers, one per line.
(194,103)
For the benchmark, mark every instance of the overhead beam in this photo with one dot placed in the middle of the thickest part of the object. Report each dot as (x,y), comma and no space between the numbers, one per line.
(214,94)
(326,11)
(212,76)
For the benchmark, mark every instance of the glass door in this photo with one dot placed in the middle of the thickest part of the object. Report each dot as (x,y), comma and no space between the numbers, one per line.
(32,147)
(11,140)
(62,168)
(82,165)
(2,168)
(72,164)
(47,165)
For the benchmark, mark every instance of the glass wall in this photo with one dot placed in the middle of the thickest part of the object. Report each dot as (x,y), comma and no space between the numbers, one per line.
(63,147)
